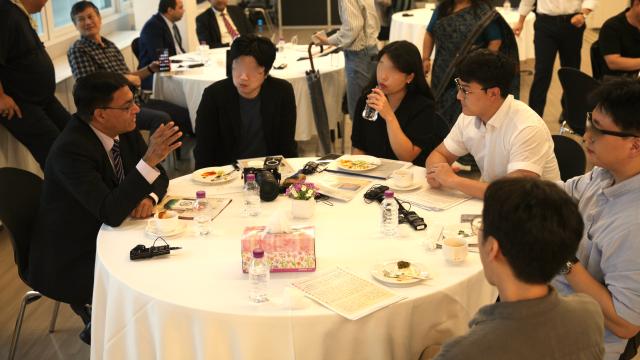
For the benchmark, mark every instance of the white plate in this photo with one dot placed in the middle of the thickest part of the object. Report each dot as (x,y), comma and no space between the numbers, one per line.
(416,269)
(205,175)
(366,162)
(152,231)
(461,230)
(392,185)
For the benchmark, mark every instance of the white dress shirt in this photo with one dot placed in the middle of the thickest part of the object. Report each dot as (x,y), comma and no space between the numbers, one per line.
(150,174)
(556,7)
(173,36)
(515,138)
(225,37)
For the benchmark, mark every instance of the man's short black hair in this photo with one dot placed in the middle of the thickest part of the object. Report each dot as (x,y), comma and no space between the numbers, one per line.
(96,90)
(81,6)
(537,225)
(620,99)
(165,5)
(488,69)
(260,48)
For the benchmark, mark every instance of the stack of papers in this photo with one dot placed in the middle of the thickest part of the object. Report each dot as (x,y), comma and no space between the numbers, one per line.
(435,199)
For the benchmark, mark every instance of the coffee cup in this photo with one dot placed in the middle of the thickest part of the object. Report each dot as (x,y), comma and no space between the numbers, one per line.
(455,249)
(402,177)
(165,221)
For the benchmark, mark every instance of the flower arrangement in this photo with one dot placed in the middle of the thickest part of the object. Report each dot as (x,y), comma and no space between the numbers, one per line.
(302,191)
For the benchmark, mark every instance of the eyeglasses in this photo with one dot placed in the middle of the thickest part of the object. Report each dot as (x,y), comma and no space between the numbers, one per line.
(596,132)
(465,91)
(127,108)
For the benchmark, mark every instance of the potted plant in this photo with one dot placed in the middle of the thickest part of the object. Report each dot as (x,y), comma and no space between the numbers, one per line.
(303,203)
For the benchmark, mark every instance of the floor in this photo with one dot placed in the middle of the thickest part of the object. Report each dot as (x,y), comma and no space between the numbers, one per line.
(37,343)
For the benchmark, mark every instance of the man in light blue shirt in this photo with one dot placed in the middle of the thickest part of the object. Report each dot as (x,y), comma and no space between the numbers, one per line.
(607,266)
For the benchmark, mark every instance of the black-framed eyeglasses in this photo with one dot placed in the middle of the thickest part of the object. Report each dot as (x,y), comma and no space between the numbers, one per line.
(127,108)
(597,131)
(463,90)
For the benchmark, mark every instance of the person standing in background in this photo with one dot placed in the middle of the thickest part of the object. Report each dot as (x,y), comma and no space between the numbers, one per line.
(358,39)
(559,27)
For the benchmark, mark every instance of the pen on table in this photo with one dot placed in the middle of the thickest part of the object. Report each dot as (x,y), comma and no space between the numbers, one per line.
(175,248)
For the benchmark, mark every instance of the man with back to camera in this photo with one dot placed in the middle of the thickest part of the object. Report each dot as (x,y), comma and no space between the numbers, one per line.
(529,229)
(158,33)
(250,114)
(504,135)
(28,106)
(219,25)
(606,265)
(619,41)
(100,171)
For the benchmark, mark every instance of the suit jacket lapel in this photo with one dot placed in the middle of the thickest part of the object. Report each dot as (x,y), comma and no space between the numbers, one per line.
(99,150)
(215,30)
(267,104)
(166,34)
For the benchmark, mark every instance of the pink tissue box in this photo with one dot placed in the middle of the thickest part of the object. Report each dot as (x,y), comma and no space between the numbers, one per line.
(285,252)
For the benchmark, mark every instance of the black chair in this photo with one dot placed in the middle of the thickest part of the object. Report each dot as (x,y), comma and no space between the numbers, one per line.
(598,64)
(632,348)
(570,155)
(135,48)
(19,202)
(576,86)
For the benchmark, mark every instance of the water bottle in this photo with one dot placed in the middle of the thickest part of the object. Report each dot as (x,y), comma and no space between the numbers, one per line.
(389,214)
(281,44)
(259,277)
(251,196)
(201,213)
(260,27)
(369,113)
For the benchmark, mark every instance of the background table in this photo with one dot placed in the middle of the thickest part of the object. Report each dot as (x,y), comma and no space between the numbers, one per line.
(186,88)
(412,28)
(194,303)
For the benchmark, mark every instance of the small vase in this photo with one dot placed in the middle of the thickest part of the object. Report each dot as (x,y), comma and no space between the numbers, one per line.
(303,209)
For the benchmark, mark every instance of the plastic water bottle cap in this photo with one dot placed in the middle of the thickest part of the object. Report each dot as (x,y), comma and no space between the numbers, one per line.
(258,253)
(388,194)
(260,22)
(251,177)
(201,194)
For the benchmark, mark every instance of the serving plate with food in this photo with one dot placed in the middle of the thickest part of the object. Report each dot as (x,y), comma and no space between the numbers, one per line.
(358,162)
(214,175)
(399,272)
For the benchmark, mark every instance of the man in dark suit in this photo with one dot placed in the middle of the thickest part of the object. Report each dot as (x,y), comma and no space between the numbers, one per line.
(99,171)
(220,24)
(248,115)
(158,33)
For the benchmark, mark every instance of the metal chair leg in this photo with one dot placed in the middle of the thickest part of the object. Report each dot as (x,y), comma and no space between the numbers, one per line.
(54,317)
(27,299)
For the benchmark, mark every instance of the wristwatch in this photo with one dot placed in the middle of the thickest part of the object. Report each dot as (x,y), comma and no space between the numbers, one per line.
(566,268)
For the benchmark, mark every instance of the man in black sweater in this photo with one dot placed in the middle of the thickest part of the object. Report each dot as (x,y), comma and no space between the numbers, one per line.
(250,114)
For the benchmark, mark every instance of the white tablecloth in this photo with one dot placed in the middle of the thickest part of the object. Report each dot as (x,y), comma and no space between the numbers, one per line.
(186,89)
(412,28)
(14,154)
(194,303)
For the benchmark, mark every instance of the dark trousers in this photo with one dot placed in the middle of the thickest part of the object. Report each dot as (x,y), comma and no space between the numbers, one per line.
(39,126)
(171,111)
(553,35)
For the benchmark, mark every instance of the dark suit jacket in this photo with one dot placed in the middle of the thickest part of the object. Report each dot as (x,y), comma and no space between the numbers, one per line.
(155,35)
(218,123)
(81,193)
(209,32)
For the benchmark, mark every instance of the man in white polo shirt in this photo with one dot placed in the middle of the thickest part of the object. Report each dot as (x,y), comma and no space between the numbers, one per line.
(503,134)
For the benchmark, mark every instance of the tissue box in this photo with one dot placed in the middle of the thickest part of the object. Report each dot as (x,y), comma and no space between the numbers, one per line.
(286,252)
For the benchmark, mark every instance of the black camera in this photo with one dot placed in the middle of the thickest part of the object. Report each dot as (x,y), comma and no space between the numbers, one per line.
(268,178)
(143,252)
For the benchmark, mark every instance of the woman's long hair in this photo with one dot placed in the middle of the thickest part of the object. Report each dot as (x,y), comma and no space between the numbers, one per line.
(445,7)
(405,58)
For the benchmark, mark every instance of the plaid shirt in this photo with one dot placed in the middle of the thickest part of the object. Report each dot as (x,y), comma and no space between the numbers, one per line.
(86,57)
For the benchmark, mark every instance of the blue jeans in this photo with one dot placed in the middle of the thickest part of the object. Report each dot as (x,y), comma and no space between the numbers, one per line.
(359,66)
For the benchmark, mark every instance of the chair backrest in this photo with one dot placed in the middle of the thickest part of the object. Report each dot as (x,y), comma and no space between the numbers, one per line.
(632,348)
(19,203)
(577,86)
(135,47)
(571,158)
(598,64)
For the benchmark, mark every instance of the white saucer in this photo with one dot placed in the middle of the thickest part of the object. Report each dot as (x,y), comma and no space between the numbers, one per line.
(393,186)
(152,231)
(416,269)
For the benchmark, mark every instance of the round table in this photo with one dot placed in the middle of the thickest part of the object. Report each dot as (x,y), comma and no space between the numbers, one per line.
(194,303)
(412,28)
(185,87)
